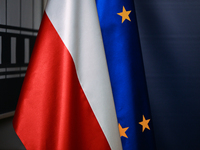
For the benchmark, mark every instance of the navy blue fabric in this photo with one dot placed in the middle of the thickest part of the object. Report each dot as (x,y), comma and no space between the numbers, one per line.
(124,58)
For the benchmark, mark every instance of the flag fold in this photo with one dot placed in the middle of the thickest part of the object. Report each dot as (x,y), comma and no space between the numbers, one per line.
(66,100)
(85,85)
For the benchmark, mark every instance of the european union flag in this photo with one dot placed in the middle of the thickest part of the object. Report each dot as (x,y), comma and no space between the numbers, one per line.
(125,64)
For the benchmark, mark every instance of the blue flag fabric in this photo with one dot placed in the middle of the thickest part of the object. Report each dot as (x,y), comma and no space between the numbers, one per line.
(125,64)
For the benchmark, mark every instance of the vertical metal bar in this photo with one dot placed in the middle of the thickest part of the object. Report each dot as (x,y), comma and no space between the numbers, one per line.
(13,50)
(42,6)
(2,14)
(20,15)
(6,13)
(32,15)
(26,50)
(0,50)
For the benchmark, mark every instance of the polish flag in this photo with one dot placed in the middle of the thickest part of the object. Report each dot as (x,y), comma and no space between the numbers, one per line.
(66,101)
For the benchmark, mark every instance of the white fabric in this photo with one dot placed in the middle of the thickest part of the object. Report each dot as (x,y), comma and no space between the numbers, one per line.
(77,24)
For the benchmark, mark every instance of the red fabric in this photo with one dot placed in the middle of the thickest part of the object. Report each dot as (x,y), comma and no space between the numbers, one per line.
(53,111)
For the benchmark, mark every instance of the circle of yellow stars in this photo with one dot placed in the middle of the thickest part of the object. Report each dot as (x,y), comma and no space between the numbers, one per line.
(122,131)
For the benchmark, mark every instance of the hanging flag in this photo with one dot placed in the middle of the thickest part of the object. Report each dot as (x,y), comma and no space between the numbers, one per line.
(125,64)
(66,100)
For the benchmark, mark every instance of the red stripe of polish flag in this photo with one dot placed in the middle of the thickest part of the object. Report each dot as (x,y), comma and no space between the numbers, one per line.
(66,100)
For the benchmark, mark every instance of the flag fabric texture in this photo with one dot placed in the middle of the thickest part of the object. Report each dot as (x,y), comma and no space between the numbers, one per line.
(124,58)
(66,101)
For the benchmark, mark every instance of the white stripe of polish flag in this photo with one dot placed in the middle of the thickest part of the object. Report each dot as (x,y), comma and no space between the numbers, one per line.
(66,100)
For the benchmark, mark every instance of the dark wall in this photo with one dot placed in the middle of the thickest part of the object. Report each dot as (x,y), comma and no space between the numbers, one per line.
(170,39)
(19,22)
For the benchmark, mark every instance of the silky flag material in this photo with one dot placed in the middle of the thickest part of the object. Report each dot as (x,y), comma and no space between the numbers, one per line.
(122,47)
(66,100)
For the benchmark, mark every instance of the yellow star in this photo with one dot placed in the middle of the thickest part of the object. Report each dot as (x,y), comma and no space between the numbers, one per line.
(125,14)
(144,124)
(122,131)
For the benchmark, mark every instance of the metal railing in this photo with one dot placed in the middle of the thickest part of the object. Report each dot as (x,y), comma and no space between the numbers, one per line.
(16,46)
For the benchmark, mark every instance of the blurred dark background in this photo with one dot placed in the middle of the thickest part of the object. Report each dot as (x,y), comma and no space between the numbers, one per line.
(170,39)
